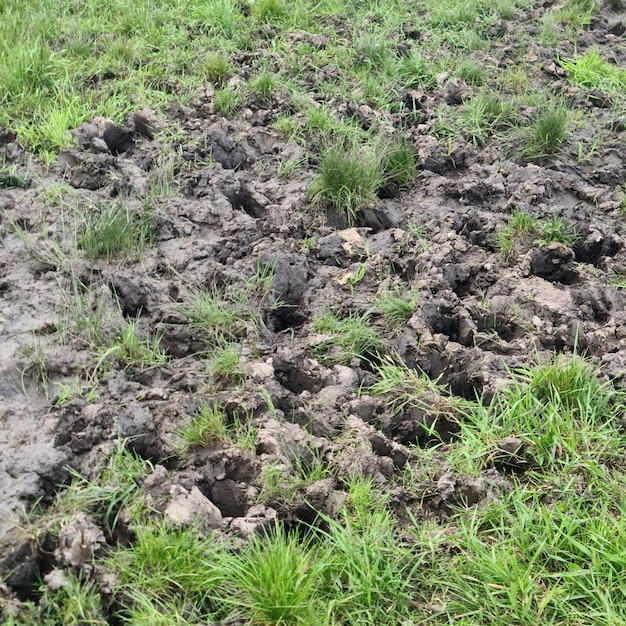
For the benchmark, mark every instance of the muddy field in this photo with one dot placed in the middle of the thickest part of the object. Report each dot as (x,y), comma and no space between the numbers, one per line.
(230,214)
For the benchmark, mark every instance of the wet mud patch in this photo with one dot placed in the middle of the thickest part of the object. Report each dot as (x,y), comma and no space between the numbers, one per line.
(234,352)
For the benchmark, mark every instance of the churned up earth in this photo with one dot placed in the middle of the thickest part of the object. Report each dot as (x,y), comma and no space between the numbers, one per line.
(312,313)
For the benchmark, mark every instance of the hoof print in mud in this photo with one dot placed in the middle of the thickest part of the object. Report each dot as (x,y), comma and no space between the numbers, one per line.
(555,263)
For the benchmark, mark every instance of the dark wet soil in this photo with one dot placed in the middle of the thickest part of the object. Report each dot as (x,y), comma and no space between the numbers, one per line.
(227,211)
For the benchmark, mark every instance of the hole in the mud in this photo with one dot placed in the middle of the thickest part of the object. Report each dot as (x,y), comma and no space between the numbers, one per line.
(461,385)
(295,379)
(422,428)
(440,319)
(230,497)
(284,318)
(504,327)
(245,201)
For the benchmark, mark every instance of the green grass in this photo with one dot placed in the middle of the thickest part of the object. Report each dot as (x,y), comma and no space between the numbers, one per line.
(209,426)
(403,388)
(206,427)
(274,579)
(525,561)
(397,305)
(545,545)
(519,229)
(346,338)
(224,364)
(114,490)
(75,602)
(548,131)
(133,348)
(591,71)
(281,484)
(348,179)
(353,174)
(557,229)
(478,120)
(397,165)
(524,230)
(166,577)
(563,413)
(12,176)
(223,316)
(114,230)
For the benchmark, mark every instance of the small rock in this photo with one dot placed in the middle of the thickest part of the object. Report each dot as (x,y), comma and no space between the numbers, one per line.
(187,507)
(79,540)
(56,579)
(511,445)
(257,518)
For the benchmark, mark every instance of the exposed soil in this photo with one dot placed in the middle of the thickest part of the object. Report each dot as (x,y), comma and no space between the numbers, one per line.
(227,213)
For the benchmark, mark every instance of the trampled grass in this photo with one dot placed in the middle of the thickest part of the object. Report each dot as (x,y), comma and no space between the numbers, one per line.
(547,547)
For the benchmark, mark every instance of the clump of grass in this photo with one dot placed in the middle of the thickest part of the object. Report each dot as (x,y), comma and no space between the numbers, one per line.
(562,412)
(397,305)
(520,227)
(209,425)
(87,313)
(167,576)
(115,488)
(134,350)
(548,132)
(206,427)
(477,120)
(414,71)
(404,388)
(113,230)
(471,72)
(280,483)
(524,560)
(397,165)
(226,101)
(557,229)
(349,177)
(224,364)
(525,229)
(375,575)
(350,337)
(74,602)
(216,67)
(12,176)
(591,71)
(274,579)
(263,87)
(223,316)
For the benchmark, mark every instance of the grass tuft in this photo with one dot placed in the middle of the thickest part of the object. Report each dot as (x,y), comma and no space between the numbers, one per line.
(547,134)
(350,337)
(348,179)
(113,230)
(591,71)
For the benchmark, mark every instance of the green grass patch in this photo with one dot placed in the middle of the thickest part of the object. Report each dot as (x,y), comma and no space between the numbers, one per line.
(348,179)
(114,230)
(565,416)
(591,71)
(548,131)
(346,338)
(525,230)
